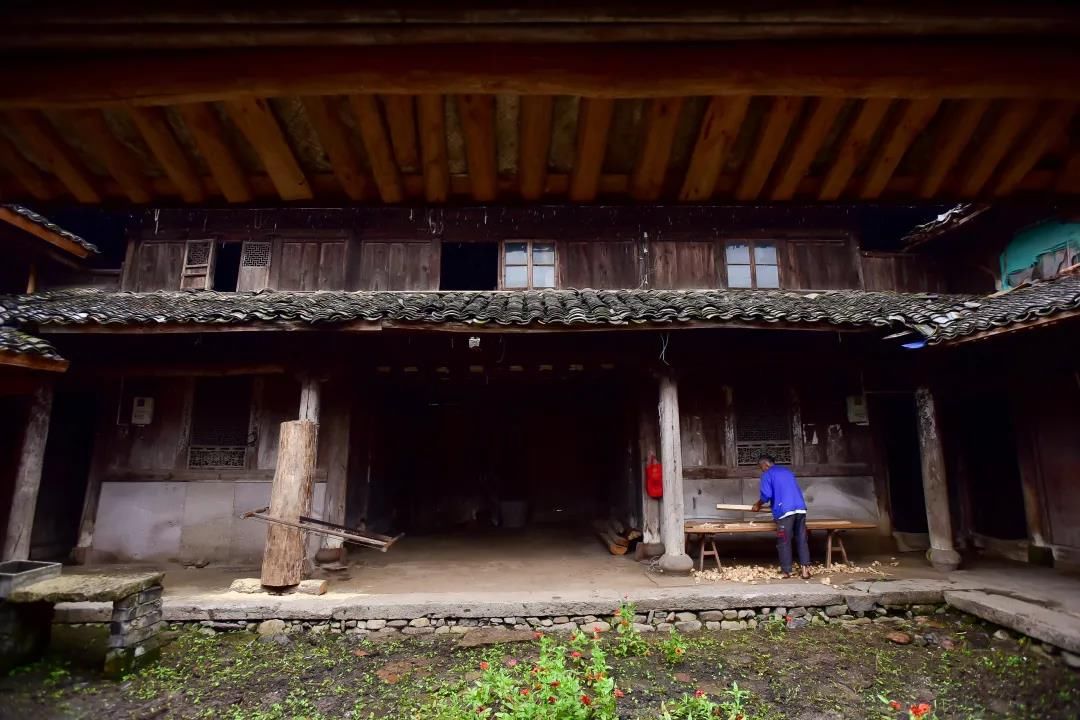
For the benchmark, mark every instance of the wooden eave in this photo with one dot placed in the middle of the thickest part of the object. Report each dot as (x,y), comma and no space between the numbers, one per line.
(32,362)
(54,239)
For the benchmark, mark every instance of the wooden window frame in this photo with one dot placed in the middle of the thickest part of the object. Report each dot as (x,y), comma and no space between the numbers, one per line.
(245,453)
(529,243)
(752,244)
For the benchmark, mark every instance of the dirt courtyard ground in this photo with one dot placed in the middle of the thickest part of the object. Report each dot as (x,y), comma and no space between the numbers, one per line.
(963,671)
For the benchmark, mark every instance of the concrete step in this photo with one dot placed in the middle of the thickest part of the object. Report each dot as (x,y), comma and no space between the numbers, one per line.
(1056,627)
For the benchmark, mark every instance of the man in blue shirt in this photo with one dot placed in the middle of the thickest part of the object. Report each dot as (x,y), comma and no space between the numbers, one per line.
(780,490)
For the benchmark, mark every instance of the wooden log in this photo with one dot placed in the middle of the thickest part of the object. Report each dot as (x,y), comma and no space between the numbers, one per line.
(290,497)
(28,475)
(611,542)
(610,535)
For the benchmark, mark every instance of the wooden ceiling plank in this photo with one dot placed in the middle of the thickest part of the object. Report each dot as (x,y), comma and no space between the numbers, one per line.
(534,144)
(154,127)
(719,128)
(594,120)
(1033,146)
(23,171)
(782,115)
(1016,116)
(852,148)
(807,145)
(431,116)
(46,143)
(257,122)
(650,170)
(91,125)
(914,117)
(477,113)
(953,137)
(377,142)
(334,138)
(209,136)
(401,117)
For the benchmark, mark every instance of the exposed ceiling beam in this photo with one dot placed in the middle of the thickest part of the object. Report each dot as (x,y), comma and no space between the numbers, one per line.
(594,120)
(807,144)
(114,155)
(431,119)
(477,114)
(334,137)
(650,171)
(953,136)
(401,118)
(783,113)
(1033,146)
(719,128)
(47,144)
(914,117)
(1015,117)
(853,147)
(534,144)
(209,136)
(257,122)
(23,171)
(907,69)
(154,127)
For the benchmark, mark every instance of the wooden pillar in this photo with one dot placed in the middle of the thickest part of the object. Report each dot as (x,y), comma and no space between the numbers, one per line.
(28,475)
(672,515)
(309,398)
(290,497)
(798,453)
(650,507)
(942,554)
(335,439)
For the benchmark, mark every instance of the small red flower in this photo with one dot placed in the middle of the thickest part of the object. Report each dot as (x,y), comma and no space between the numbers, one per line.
(699,693)
(619,693)
(512,662)
(895,705)
(920,709)
(679,651)
(576,654)
(551,700)
(586,700)
(525,692)
(554,683)
(484,665)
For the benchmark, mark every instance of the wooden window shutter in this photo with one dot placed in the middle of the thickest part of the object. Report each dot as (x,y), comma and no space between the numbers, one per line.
(254,266)
(198,272)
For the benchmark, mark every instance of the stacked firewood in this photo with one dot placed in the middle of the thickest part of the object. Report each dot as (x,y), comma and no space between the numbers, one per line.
(616,536)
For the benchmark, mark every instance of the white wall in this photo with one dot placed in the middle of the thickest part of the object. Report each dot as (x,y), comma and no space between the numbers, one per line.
(827,498)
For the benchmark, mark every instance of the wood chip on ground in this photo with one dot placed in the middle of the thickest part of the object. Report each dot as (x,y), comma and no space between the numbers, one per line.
(758,573)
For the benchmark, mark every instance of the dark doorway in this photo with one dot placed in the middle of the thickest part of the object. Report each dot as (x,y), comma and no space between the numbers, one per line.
(469,266)
(895,417)
(227,266)
(12,422)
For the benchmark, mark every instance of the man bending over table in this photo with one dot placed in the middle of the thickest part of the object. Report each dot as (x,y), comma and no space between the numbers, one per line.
(780,490)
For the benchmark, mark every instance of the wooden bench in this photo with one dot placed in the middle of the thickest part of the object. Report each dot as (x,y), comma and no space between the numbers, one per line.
(708,529)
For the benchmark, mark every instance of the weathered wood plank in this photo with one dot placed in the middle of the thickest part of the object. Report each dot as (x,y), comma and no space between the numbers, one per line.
(1050,129)
(24,171)
(431,110)
(28,475)
(257,122)
(782,115)
(477,113)
(594,120)
(47,144)
(401,121)
(719,128)
(334,137)
(1015,117)
(534,144)
(154,127)
(954,135)
(806,147)
(914,117)
(650,171)
(114,155)
(377,141)
(209,136)
(852,149)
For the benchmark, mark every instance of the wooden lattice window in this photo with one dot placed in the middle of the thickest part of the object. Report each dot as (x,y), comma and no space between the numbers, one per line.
(198,269)
(762,427)
(752,264)
(220,422)
(254,271)
(528,265)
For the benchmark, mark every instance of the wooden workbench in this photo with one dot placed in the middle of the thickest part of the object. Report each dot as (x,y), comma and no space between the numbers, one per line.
(706,529)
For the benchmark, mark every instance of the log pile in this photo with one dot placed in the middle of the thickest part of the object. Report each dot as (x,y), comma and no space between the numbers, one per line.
(616,537)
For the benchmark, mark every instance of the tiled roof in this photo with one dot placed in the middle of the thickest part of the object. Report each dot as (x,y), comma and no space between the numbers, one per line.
(16,342)
(52,227)
(935,317)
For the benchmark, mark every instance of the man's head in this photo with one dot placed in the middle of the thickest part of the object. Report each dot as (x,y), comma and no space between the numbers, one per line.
(765,462)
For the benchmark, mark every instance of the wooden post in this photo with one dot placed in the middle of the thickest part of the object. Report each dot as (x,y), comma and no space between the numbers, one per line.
(28,475)
(336,446)
(290,497)
(650,507)
(798,454)
(672,515)
(731,449)
(309,398)
(943,555)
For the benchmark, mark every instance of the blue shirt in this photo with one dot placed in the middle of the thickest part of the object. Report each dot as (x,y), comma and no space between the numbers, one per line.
(779,487)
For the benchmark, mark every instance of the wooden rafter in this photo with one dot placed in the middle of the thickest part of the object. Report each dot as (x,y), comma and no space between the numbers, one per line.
(953,137)
(114,155)
(257,122)
(807,145)
(782,115)
(431,116)
(477,113)
(40,135)
(1014,118)
(24,171)
(851,150)
(719,127)
(650,171)
(1033,146)
(914,117)
(594,120)
(334,137)
(534,145)
(401,118)
(205,128)
(154,127)
(377,142)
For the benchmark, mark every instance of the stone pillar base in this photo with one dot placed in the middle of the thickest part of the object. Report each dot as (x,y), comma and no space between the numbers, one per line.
(676,564)
(944,560)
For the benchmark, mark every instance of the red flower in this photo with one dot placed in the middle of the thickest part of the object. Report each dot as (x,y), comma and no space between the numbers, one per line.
(920,709)
(586,700)
(537,635)
(619,693)
(895,705)
(484,665)
(551,700)
(554,683)
(512,662)
(525,692)
(576,654)
(699,693)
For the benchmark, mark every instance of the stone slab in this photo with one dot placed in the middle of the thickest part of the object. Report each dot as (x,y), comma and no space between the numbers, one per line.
(83,612)
(1051,626)
(79,588)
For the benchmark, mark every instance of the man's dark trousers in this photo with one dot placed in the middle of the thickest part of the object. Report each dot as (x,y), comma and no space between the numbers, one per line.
(787,529)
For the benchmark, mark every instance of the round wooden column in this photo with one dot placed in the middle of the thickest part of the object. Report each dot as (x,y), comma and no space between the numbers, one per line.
(672,514)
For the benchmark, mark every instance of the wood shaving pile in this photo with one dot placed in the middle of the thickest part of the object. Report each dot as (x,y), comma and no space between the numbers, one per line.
(759,573)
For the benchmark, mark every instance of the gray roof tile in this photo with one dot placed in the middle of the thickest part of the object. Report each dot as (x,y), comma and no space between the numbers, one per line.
(52,227)
(17,342)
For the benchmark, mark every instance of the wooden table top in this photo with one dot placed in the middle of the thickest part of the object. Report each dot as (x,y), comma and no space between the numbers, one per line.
(751,526)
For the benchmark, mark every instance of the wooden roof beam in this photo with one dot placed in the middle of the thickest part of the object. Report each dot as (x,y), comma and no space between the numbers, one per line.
(431,118)
(24,172)
(914,117)
(334,137)
(114,155)
(477,113)
(154,127)
(806,147)
(377,142)
(209,136)
(719,128)
(1033,146)
(594,120)
(661,122)
(954,135)
(46,143)
(854,145)
(1015,117)
(534,144)
(257,122)
(401,119)
(782,115)
(52,237)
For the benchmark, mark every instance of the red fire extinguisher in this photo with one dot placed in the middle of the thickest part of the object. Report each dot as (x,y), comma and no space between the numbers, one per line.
(654,478)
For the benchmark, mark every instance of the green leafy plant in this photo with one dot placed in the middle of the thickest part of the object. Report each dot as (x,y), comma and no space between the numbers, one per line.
(674,647)
(629,642)
(700,706)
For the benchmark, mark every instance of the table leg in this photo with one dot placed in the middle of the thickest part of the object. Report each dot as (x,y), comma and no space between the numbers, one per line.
(828,549)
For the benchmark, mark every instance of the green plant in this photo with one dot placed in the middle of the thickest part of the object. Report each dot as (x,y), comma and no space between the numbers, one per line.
(774,627)
(700,706)
(674,647)
(629,642)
